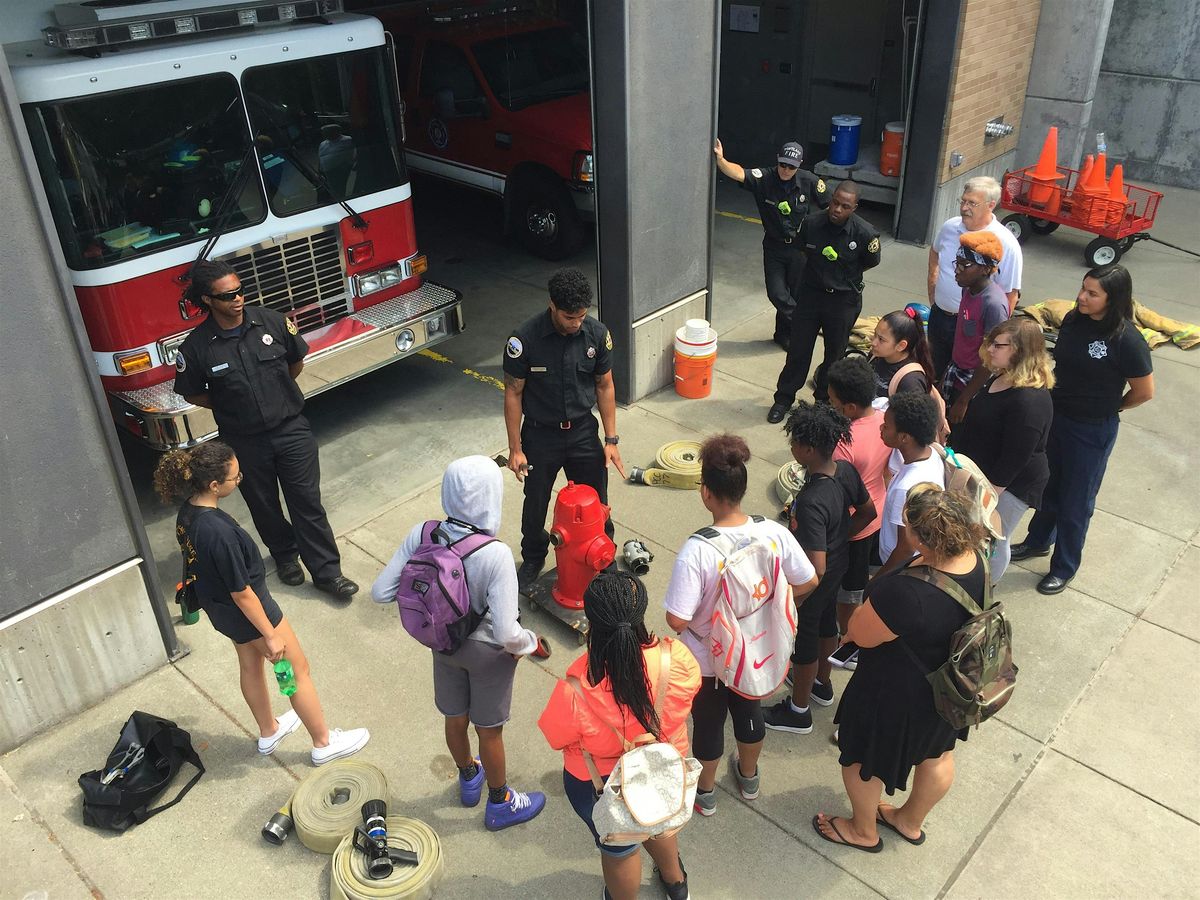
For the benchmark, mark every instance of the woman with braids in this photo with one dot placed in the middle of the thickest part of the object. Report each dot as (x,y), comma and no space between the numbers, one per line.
(691,599)
(822,525)
(618,675)
(1007,423)
(887,720)
(232,588)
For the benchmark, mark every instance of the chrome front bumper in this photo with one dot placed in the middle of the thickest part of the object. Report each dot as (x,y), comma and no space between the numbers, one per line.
(164,420)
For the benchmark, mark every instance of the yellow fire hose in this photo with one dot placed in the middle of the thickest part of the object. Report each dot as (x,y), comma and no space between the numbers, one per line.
(789,481)
(676,465)
(328,803)
(348,878)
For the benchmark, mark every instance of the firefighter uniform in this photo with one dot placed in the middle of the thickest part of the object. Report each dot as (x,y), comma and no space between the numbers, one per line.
(830,297)
(257,405)
(558,429)
(783,206)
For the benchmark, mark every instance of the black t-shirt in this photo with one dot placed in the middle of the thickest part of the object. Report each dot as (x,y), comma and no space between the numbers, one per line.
(821,514)
(798,195)
(244,370)
(1005,434)
(854,246)
(885,371)
(223,557)
(1091,369)
(559,371)
(923,616)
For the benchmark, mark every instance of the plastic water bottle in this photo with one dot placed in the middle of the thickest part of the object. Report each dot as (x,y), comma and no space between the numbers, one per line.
(286,677)
(1101,142)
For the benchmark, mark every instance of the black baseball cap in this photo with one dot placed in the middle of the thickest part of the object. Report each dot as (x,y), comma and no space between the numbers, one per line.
(791,154)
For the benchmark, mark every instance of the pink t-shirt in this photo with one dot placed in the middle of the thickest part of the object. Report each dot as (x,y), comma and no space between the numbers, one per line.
(977,315)
(869,455)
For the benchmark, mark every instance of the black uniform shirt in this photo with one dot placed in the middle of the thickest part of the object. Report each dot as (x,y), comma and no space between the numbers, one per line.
(855,243)
(1091,368)
(560,372)
(244,374)
(799,193)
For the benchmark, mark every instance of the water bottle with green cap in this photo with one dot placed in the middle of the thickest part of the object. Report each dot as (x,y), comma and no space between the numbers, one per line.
(285,677)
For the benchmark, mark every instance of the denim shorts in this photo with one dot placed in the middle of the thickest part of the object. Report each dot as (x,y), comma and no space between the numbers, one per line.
(582,796)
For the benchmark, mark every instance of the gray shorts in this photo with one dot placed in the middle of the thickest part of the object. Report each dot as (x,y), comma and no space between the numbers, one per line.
(476,681)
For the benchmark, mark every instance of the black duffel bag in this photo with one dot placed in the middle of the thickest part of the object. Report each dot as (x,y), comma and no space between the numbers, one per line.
(149,753)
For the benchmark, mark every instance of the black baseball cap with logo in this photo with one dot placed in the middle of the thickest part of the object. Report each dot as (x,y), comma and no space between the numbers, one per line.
(791,154)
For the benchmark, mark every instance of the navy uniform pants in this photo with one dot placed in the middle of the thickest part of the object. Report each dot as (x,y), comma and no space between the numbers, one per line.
(549,450)
(817,312)
(286,458)
(783,265)
(1078,455)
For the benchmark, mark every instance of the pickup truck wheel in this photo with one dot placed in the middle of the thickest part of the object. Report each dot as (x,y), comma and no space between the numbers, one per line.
(545,220)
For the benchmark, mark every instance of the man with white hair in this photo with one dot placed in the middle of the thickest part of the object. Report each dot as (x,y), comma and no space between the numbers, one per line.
(979,197)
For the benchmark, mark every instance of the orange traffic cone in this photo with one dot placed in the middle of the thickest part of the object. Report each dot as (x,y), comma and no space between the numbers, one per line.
(1097,189)
(1079,197)
(1117,198)
(1045,173)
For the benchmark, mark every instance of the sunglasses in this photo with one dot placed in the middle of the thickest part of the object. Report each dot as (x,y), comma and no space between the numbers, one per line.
(961,263)
(227,296)
(786,166)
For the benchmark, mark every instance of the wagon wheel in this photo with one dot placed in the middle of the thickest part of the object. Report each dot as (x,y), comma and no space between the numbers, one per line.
(1041,226)
(1126,242)
(1101,252)
(1019,225)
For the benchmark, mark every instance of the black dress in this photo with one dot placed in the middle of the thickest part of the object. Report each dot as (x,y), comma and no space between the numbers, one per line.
(886,720)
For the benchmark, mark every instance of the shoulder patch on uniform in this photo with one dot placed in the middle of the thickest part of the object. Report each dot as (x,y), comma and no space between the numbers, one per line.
(291,326)
(180,361)
(757,173)
(820,185)
(514,347)
(607,340)
(873,247)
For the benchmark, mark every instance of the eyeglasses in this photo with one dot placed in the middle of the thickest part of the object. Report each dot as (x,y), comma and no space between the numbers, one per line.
(236,479)
(227,296)
(970,204)
(961,263)
(1001,344)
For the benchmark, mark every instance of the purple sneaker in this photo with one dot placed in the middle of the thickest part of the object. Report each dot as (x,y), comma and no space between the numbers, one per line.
(513,810)
(469,792)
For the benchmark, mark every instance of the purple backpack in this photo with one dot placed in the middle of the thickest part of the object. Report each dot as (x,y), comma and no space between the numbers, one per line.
(434,598)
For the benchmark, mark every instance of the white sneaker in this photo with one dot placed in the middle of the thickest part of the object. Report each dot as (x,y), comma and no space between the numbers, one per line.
(341,744)
(288,723)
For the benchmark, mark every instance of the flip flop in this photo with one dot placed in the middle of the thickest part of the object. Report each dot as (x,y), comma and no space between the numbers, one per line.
(816,824)
(880,820)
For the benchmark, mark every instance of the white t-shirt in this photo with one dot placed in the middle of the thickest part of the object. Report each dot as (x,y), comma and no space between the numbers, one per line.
(905,477)
(947,295)
(692,593)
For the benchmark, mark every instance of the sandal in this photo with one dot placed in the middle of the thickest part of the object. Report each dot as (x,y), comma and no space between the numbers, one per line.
(880,820)
(842,842)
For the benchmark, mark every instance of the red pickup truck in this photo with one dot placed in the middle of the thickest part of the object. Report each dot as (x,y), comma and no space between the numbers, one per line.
(499,99)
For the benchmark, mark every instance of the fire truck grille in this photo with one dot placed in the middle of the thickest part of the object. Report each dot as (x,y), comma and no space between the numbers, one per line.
(301,278)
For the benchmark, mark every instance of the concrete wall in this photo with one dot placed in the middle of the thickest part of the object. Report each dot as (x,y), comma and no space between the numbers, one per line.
(1148,96)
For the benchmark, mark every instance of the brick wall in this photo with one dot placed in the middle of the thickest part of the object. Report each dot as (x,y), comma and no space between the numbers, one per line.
(991,72)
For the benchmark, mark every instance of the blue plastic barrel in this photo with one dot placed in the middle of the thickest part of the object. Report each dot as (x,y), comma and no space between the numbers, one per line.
(843,140)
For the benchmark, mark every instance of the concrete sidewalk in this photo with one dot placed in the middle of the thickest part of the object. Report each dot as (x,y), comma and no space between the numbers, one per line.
(1085,786)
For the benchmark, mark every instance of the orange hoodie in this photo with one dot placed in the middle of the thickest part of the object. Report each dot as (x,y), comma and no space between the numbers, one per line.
(570,726)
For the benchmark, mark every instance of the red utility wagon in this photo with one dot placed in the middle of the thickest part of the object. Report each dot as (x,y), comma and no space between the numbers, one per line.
(1040,206)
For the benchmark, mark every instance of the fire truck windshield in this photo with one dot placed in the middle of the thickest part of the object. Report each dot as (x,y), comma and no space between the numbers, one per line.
(135,171)
(324,129)
(534,66)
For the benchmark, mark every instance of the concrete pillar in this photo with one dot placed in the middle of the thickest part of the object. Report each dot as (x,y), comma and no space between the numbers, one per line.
(1062,80)
(654,98)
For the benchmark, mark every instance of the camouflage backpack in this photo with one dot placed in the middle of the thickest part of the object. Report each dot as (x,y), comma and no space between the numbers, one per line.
(979,677)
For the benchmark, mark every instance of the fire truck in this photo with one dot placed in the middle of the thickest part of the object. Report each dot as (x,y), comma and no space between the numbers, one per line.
(261,133)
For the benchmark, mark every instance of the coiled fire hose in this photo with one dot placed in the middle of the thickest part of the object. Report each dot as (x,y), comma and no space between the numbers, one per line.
(349,880)
(676,465)
(789,481)
(328,803)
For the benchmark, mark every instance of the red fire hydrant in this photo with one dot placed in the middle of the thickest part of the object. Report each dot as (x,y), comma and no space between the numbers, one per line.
(581,548)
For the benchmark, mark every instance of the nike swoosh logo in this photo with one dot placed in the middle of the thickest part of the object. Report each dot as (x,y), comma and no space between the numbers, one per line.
(759,663)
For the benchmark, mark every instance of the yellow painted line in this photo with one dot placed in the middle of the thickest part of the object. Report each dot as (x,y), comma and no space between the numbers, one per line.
(733,215)
(470,373)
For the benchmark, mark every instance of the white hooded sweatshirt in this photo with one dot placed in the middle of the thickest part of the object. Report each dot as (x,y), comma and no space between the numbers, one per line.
(472,491)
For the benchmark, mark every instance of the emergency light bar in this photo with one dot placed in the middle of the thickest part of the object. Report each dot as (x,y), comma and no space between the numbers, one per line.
(484,11)
(90,25)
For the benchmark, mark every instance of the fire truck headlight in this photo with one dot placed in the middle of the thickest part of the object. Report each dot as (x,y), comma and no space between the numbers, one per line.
(367,284)
(379,280)
(405,340)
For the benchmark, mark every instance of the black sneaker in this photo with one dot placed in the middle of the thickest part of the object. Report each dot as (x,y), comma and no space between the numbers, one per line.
(529,572)
(678,890)
(781,717)
(821,694)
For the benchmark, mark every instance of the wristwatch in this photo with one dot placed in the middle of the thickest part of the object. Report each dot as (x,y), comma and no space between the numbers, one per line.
(613,440)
